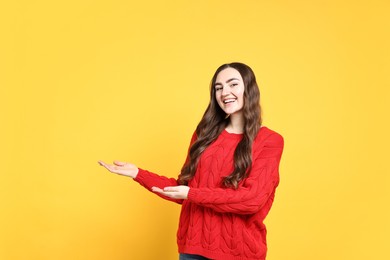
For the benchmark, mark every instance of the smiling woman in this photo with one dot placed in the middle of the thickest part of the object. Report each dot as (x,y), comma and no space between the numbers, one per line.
(228,181)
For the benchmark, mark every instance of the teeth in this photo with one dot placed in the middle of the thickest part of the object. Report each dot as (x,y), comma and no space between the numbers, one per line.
(228,101)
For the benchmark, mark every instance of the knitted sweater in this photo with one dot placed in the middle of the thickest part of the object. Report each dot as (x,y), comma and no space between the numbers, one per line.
(224,223)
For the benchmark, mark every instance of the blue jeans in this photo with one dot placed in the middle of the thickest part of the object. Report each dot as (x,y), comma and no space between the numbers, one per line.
(192,257)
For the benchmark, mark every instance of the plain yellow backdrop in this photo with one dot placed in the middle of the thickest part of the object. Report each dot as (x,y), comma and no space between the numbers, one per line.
(82,81)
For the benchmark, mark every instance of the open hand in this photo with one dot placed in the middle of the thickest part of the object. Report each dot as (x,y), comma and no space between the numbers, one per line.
(175,192)
(121,168)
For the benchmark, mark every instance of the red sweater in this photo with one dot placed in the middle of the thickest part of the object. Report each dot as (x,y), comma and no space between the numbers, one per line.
(223,223)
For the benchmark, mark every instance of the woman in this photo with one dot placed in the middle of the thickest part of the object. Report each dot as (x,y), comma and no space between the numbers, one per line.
(227,184)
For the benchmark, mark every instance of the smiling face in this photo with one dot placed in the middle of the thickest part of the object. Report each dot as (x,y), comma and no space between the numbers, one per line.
(229,91)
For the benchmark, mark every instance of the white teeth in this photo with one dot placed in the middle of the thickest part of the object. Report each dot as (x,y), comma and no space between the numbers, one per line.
(228,101)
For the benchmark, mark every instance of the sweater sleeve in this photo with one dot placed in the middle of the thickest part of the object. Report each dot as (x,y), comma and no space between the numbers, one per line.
(148,179)
(254,191)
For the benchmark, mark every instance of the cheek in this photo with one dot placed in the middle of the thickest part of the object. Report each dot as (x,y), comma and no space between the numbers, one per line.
(218,100)
(241,97)
(240,93)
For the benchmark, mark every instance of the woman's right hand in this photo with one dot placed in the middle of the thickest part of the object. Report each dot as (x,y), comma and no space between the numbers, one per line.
(121,168)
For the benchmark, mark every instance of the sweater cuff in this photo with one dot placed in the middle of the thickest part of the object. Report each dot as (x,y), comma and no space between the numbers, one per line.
(192,195)
(142,176)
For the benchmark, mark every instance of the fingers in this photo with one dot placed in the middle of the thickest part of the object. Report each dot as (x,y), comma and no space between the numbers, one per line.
(111,168)
(156,189)
(163,192)
(171,189)
(103,164)
(119,163)
(176,192)
(167,189)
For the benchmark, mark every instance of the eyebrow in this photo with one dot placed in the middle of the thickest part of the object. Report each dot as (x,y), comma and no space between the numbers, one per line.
(229,80)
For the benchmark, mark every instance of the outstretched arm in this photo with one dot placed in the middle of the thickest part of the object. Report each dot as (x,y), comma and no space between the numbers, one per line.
(145,178)
(151,181)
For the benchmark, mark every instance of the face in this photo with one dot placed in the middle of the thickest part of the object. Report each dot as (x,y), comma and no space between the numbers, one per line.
(229,91)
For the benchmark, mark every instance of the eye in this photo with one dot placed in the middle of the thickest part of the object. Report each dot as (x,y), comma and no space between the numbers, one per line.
(218,88)
(233,84)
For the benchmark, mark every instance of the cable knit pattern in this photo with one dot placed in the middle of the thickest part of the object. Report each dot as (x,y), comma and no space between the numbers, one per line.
(221,223)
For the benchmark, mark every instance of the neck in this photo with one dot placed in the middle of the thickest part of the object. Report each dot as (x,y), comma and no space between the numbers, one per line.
(236,124)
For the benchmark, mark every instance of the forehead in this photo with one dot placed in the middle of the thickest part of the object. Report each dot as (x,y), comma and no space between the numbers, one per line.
(227,74)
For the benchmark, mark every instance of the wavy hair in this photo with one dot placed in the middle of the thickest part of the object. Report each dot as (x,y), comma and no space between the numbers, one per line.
(214,121)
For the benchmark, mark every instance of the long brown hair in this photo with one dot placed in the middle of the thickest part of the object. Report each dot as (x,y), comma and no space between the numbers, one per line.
(214,121)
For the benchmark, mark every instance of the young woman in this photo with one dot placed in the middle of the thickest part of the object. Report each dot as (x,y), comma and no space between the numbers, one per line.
(227,184)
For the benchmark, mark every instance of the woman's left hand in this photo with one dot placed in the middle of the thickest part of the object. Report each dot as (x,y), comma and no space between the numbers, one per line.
(175,192)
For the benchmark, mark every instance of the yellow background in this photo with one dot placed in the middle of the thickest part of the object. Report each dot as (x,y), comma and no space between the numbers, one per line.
(128,80)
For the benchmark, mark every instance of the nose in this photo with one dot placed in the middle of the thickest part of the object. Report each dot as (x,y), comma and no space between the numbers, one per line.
(225,91)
